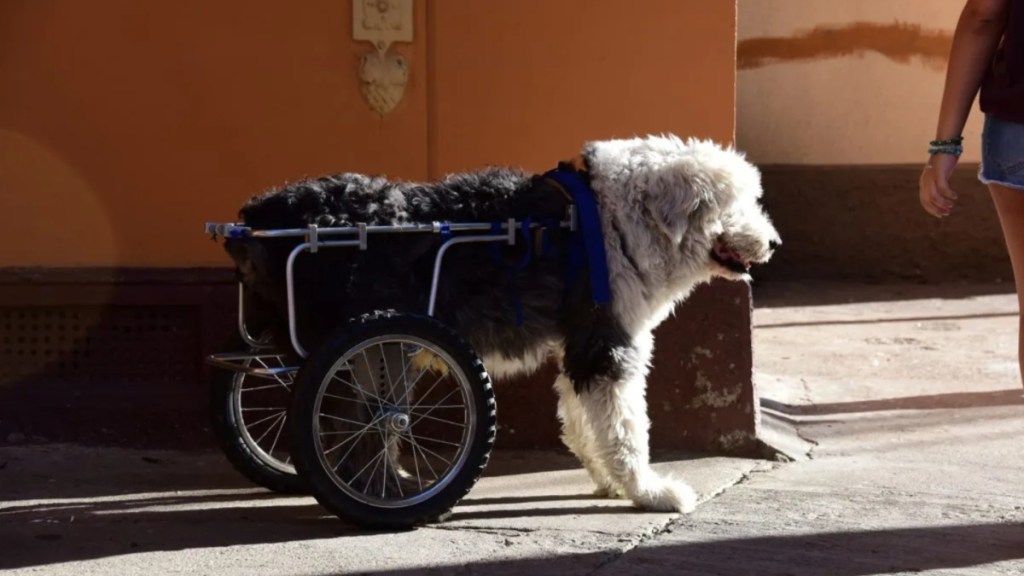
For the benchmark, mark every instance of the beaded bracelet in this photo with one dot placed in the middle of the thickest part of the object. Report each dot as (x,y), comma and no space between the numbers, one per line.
(952,149)
(955,141)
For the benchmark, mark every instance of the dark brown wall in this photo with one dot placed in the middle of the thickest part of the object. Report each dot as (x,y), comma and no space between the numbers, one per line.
(864,223)
(113,357)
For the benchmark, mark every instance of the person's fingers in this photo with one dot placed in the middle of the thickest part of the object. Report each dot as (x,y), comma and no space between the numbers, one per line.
(943,189)
(939,199)
(932,201)
(932,207)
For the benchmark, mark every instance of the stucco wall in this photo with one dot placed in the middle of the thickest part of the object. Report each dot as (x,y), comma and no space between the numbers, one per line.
(843,81)
(124,125)
(837,101)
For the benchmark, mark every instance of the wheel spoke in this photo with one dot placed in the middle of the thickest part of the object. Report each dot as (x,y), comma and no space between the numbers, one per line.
(384,476)
(284,418)
(344,399)
(431,389)
(357,389)
(340,419)
(357,436)
(424,415)
(416,466)
(445,442)
(369,372)
(264,419)
(398,482)
(436,419)
(426,460)
(276,377)
(363,469)
(278,424)
(405,373)
(337,432)
(257,388)
(435,454)
(390,386)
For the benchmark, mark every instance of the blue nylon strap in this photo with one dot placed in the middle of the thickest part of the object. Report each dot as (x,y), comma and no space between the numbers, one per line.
(588,241)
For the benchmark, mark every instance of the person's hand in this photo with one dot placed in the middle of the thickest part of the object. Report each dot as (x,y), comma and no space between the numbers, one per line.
(936,196)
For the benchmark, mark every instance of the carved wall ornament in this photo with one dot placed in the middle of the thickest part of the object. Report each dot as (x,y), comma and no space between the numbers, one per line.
(383,74)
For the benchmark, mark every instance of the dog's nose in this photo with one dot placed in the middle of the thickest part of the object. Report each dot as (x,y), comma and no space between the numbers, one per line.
(773,244)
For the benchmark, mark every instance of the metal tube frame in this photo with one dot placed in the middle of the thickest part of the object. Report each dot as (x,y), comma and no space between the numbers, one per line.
(242,330)
(314,240)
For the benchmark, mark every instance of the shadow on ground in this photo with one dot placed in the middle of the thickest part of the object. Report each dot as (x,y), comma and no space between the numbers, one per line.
(1013,397)
(860,553)
(69,503)
(775,294)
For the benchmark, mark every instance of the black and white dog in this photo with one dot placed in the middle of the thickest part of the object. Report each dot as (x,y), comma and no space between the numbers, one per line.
(673,214)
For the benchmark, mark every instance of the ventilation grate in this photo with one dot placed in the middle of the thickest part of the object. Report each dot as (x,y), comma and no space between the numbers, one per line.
(82,344)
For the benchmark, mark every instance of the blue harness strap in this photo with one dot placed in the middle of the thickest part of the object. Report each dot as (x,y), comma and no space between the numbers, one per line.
(588,241)
(586,247)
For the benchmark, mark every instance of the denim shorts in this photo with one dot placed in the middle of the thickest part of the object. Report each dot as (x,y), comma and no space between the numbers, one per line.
(1002,153)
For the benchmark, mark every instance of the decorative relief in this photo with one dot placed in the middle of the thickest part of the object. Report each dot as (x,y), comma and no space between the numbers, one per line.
(383,73)
(384,77)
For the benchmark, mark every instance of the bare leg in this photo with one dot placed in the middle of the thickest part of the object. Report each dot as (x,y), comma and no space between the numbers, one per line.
(577,436)
(1010,207)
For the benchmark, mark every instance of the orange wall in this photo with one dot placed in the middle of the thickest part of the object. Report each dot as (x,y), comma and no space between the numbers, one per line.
(529,80)
(125,125)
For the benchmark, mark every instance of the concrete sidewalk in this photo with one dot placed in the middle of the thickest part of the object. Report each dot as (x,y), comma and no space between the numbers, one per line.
(902,411)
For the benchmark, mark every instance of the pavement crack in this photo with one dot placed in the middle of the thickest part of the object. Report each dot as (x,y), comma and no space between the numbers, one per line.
(492,530)
(797,427)
(806,399)
(632,543)
(814,443)
(671,523)
(760,468)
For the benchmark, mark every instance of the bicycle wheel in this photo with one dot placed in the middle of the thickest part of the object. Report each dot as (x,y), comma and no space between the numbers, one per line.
(393,420)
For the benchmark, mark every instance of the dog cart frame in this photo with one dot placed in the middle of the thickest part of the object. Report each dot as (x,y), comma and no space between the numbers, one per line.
(391,419)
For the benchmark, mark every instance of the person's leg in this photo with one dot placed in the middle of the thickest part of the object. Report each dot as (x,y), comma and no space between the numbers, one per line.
(1010,207)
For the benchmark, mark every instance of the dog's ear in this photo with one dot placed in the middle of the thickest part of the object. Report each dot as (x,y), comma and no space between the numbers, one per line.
(672,202)
(249,257)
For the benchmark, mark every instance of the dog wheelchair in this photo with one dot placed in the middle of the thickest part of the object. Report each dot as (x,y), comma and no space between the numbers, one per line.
(390,421)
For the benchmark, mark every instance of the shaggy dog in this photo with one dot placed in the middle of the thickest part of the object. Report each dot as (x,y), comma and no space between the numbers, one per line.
(673,214)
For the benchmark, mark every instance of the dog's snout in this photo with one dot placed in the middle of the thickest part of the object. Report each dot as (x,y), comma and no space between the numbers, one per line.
(773,244)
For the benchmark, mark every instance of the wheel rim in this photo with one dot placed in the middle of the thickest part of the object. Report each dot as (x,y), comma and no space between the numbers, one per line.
(260,405)
(393,421)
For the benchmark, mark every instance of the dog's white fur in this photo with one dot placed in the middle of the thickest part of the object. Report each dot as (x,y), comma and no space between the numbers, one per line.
(664,203)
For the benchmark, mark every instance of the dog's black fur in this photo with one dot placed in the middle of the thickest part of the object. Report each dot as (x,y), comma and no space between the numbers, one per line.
(478,291)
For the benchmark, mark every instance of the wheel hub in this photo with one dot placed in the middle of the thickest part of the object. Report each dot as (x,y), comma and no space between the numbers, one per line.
(398,421)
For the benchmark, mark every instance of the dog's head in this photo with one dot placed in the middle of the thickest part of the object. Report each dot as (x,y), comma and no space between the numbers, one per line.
(702,198)
(745,234)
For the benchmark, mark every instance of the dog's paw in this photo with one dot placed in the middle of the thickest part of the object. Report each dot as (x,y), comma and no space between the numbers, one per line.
(665,495)
(610,492)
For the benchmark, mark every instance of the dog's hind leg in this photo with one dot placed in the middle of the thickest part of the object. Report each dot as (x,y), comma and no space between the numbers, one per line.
(616,412)
(577,437)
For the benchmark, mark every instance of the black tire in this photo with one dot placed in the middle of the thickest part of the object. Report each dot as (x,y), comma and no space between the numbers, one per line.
(260,468)
(316,377)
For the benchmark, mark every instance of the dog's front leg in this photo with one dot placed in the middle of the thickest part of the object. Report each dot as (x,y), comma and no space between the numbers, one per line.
(616,411)
(579,440)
